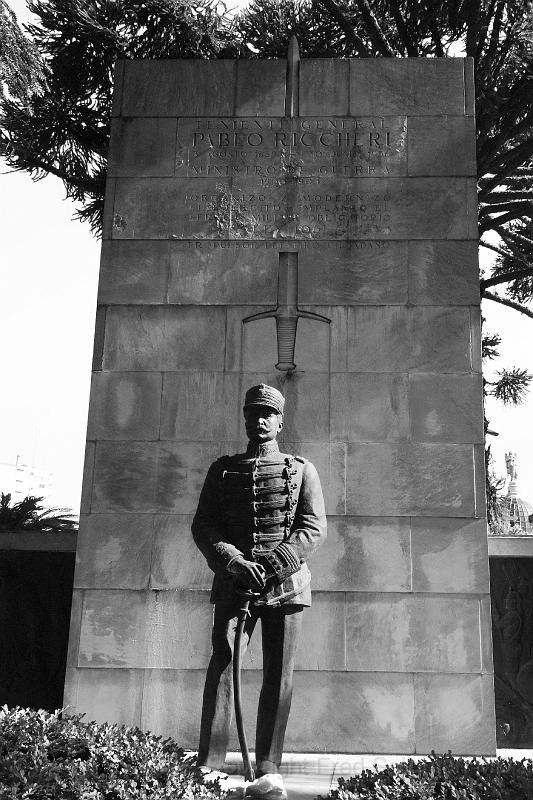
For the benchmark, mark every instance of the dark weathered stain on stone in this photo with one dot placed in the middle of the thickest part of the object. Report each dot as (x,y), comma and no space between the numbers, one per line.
(119,222)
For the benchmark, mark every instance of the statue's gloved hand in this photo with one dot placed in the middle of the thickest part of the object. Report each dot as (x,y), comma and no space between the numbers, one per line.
(249,574)
(279,563)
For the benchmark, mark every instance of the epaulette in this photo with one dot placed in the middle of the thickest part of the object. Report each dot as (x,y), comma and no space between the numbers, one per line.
(300,459)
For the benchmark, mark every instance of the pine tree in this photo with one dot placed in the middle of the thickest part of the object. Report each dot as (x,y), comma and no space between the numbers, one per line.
(63,130)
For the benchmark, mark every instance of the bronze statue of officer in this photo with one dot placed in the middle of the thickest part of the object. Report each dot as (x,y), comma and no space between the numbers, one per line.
(259,518)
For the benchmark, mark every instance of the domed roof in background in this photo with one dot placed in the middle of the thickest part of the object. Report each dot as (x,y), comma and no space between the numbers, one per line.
(517,514)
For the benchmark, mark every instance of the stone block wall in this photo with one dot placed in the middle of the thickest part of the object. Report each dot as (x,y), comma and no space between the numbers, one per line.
(208,184)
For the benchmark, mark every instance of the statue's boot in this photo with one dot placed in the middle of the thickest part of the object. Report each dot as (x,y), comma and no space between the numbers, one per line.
(230,784)
(267,787)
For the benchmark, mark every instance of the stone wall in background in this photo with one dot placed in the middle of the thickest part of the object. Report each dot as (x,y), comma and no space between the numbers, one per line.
(373,186)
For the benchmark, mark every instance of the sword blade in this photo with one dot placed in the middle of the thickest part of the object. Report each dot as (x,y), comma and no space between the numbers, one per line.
(292,87)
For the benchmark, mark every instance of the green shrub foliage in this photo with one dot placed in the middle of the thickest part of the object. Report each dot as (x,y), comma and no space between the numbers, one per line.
(444,777)
(44,756)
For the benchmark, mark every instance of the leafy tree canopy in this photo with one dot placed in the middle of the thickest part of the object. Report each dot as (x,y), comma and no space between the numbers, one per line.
(64,130)
(21,68)
(29,514)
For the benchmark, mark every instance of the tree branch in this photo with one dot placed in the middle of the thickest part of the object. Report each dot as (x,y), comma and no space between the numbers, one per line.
(510,179)
(506,277)
(516,154)
(520,174)
(514,236)
(34,164)
(489,150)
(498,197)
(495,33)
(374,31)
(472,27)
(485,28)
(509,303)
(332,9)
(412,50)
(520,205)
(506,46)
(521,154)
(519,93)
(492,223)
(504,253)
(439,49)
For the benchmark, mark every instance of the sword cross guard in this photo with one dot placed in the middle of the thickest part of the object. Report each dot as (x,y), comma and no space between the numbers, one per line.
(287,312)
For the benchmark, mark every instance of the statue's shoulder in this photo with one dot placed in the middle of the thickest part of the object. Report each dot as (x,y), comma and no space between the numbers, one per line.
(225,462)
(221,463)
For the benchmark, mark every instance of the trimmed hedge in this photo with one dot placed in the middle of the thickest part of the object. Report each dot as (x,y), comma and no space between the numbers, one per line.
(44,756)
(442,776)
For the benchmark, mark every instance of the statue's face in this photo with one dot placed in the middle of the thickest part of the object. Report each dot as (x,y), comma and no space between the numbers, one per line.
(262,423)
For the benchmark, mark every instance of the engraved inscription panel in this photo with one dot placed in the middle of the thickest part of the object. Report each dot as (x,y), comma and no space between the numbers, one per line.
(291,208)
(322,178)
(270,148)
(295,208)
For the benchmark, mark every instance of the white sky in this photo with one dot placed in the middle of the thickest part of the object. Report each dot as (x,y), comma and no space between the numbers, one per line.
(49,273)
(47,306)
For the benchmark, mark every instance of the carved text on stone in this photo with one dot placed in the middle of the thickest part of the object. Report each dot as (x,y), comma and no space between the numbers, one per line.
(269,148)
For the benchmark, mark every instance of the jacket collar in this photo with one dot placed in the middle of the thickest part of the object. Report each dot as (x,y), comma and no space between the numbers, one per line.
(257,450)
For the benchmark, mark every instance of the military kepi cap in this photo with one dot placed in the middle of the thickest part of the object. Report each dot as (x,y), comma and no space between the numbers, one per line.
(264,395)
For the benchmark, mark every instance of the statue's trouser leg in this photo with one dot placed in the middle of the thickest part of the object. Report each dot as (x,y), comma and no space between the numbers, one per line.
(280,629)
(217,709)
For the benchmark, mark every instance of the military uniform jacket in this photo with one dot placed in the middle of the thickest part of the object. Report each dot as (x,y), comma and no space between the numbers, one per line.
(252,503)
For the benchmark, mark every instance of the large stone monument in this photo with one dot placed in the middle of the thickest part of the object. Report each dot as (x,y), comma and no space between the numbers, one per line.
(311,225)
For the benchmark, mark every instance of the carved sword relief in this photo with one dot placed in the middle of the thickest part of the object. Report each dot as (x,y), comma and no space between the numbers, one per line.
(292,84)
(287,312)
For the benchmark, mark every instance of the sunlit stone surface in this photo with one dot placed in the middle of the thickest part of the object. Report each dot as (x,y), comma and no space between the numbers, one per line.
(372,185)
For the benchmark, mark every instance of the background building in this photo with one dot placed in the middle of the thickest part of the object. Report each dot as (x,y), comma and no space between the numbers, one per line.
(21,479)
(516,513)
